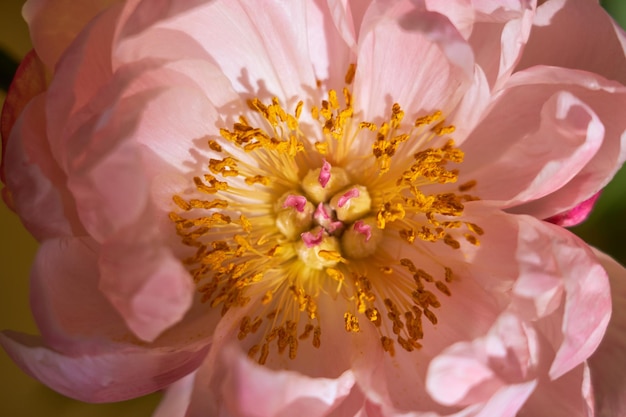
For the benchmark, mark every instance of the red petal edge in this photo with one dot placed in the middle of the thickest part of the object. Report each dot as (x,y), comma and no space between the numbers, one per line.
(575,215)
(29,81)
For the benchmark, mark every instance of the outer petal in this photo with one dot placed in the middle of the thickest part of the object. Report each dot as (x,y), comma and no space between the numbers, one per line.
(568,396)
(576,34)
(86,350)
(52,28)
(410,43)
(176,399)
(547,252)
(496,31)
(569,108)
(121,373)
(603,98)
(609,361)
(146,283)
(29,80)
(263,54)
(472,372)
(35,181)
(243,388)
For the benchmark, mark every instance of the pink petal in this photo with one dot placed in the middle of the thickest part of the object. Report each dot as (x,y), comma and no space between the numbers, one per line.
(496,31)
(145,282)
(473,372)
(411,44)
(609,360)
(54,24)
(176,399)
(121,373)
(339,22)
(247,389)
(549,252)
(602,97)
(568,396)
(139,15)
(526,166)
(263,54)
(576,34)
(87,68)
(107,177)
(65,299)
(75,316)
(35,181)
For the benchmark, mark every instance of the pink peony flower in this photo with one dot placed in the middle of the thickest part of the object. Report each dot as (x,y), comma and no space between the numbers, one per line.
(321,208)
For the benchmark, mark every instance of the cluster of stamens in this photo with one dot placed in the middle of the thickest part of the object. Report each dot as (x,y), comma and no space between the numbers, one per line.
(291,219)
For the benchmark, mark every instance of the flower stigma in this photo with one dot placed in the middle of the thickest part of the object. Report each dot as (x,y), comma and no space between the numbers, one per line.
(279,220)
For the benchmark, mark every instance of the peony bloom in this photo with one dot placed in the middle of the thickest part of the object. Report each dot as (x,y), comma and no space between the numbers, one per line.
(320,208)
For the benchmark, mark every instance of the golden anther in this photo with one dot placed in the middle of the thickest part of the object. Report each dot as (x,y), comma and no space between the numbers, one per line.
(350,74)
(351,322)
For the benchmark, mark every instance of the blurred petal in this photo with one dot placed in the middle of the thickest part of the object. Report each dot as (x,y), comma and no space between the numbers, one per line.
(176,399)
(28,81)
(120,373)
(609,360)
(54,24)
(243,388)
(576,34)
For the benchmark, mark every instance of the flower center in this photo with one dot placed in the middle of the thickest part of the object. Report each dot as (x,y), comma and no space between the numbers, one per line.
(327,218)
(280,220)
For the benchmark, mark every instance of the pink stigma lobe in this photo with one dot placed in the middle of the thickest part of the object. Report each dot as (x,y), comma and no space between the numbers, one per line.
(364,229)
(347,196)
(296,201)
(311,240)
(324,174)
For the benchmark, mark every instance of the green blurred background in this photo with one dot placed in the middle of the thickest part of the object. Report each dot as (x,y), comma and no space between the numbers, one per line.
(21,396)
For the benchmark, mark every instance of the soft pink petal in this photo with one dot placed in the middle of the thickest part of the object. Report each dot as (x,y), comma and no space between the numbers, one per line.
(243,388)
(549,252)
(263,54)
(86,67)
(73,314)
(66,303)
(138,15)
(105,174)
(574,104)
(498,36)
(121,373)
(507,401)
(602,97)
(34,181)
(609,360)
(145,282)
(568,396)
(473,372)
(54,24)
(472,107)
(176,399)
(332,28)
(576,34)
(410,44)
